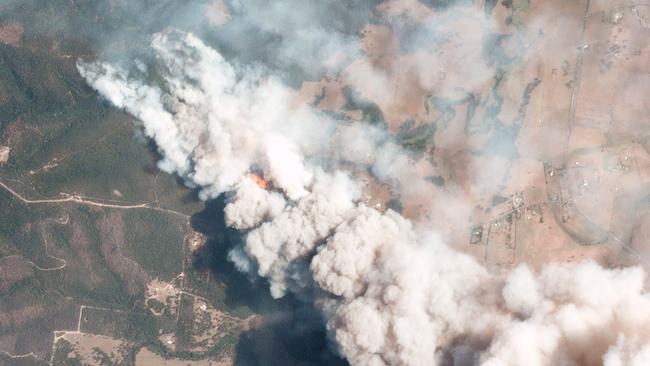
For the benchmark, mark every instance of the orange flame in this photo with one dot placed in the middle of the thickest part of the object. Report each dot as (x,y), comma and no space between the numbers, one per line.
(259,181)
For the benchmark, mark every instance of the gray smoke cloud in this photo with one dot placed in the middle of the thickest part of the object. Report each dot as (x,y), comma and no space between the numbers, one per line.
(392,290)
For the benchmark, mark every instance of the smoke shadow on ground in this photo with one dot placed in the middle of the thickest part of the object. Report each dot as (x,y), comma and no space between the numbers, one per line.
(294,336)
(291,333)
(213,257)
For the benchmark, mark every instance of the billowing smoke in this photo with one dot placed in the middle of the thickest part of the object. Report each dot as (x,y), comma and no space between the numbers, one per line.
(392,291)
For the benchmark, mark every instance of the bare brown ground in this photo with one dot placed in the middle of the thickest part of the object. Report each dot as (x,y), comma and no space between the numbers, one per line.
(584,116)
(11,34)
(389,79)
(4,154)
(217,14)
(329,90)
(85,348)
(146,357)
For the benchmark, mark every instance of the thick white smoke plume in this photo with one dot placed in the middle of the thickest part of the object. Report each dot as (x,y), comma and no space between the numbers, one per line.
(392,294)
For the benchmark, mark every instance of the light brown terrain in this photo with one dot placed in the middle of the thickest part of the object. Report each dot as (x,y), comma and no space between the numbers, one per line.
(573,182)
(147,357)
(11,34)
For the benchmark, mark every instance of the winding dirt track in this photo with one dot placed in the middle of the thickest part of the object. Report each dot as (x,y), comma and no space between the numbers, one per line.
(79,200)
(69,198)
